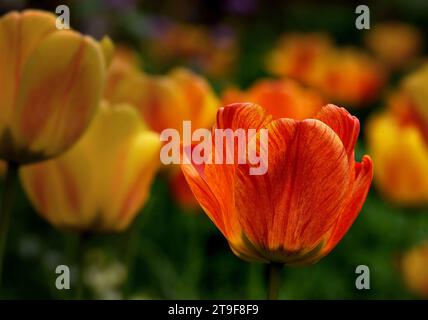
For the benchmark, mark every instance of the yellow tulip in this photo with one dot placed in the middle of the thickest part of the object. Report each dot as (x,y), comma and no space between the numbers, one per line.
(51,82)
(414,268)
(100,183)
(400,157)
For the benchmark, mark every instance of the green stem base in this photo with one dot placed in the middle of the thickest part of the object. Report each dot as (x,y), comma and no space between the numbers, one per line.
(6,209)
(274,279)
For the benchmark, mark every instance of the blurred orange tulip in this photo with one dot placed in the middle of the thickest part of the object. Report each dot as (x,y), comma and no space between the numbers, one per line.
(349,76)
(300,209)
(297,55)
(398,142)
(167,101)
(280,98)
(395,44)
(344,75)
(414,267)
(51,84)
(97,186)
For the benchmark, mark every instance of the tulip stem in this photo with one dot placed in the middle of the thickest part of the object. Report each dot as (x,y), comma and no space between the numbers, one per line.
(274,278)
(6,208)
(81,253)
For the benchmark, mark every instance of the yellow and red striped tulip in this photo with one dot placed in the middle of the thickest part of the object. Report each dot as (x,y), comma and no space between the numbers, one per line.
(309,197)
(400,155)
(102,182)
(398,142)
(280,98)
(51,83)
(414,269)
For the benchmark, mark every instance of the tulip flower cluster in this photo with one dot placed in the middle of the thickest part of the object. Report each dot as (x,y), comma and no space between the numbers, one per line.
(344,75)
(52,85)
(82,123)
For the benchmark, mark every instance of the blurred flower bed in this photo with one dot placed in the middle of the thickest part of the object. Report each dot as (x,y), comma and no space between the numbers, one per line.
(175,61)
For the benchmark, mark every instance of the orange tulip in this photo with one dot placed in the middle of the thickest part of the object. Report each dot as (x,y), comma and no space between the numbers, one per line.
(414,267)
(312,192)
(51,82)
(101,183)
(281,98)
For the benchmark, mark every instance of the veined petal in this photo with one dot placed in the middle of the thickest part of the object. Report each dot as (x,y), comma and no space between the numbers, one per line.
(350,211)
(289,209)
(242,116)
(212,183)
(346,126)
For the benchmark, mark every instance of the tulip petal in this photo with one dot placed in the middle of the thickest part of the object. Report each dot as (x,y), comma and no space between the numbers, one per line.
(59,91)
(346,126)
(361,186)
(134,173)
(63,190)
(242,116)
(211,183)
(290,208)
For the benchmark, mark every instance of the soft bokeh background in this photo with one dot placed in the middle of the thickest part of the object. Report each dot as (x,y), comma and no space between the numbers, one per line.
(174,253)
